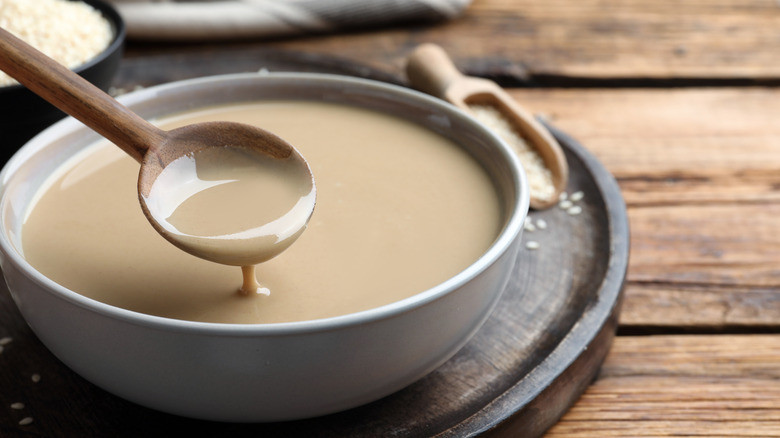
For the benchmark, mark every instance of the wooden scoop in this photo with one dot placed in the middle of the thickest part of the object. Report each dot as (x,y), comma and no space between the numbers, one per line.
(151,146)
(429,69)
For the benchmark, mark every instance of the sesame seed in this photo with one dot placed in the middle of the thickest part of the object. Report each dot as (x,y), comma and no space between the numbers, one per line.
(529,226)
(541,224)
(35,378)
(575,210)
(17,405)
(25,421)
(532,244)
(577,196)
(70,32)
(563,196)
(565,204)
(540,179)
(6,340)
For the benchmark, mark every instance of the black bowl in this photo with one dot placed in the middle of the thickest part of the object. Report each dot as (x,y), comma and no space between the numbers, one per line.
(23,114)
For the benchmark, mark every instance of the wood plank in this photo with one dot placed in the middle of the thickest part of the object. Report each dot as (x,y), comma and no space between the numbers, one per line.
(699,169)
(715,386)
(692,308)
(540,40)
(709,245)
(700,143)
(641,38)
(709,266)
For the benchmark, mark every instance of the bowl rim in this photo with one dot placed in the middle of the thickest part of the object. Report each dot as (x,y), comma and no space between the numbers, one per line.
(511,230)
(109,12)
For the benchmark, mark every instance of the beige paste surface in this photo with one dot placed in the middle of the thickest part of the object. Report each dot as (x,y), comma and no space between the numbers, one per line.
(399,210)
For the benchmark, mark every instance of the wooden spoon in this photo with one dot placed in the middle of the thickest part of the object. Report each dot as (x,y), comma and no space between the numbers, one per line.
(155,148)
(429,69)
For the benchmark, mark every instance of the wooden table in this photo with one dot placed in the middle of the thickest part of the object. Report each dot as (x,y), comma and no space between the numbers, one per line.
(680,102)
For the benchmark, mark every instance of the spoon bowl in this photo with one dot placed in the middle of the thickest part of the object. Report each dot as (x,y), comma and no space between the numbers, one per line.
(227,153)
(156,149)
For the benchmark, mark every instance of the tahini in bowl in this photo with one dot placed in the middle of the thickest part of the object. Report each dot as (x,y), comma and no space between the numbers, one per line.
(262,372)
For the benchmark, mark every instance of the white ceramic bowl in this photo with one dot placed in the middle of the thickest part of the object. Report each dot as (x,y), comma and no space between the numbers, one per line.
(262,372)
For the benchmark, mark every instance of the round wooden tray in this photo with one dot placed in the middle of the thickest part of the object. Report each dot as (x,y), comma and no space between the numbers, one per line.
(539,350)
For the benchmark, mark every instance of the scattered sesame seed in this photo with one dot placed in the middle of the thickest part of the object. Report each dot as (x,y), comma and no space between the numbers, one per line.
(532,244)
(36,378)
(17,405)
(25,421)
(528,224)
(565,204)
(577,196)
(6,340)
(541,224)
(574,210)
(563,196)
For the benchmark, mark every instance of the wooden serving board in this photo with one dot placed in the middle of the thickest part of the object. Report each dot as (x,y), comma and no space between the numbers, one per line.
(535,355)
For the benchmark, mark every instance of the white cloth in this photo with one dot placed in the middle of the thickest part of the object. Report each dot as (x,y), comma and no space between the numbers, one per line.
(222,19)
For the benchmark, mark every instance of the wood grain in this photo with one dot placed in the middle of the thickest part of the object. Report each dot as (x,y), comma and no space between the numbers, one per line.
(541,41)
(710,245)
(680,145)
(700,308)
(700,170)
(715,386)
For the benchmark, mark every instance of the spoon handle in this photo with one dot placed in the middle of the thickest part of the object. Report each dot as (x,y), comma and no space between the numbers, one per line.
(432,71)
(77,97)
